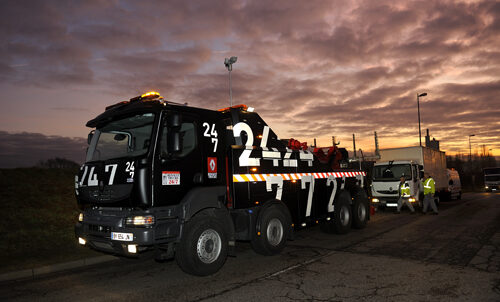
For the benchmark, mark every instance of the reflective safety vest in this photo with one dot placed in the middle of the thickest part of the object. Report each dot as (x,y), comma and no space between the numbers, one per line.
(429,186)
(404,190)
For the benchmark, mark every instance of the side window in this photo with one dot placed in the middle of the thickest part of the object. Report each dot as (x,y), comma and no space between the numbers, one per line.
(188,140)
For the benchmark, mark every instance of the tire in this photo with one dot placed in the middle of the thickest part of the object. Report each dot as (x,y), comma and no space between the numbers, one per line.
(274,231)
(342,216)
(360,210)
(203,247)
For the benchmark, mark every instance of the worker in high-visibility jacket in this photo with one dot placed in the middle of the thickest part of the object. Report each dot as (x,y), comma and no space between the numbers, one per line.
(404,196)
(429,191)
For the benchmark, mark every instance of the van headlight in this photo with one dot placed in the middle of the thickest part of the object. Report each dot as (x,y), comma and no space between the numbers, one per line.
(375,200)
(147,220)
(80,217)
(412,199)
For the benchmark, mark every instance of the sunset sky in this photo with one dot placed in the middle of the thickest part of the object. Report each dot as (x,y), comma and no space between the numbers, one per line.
(310,68)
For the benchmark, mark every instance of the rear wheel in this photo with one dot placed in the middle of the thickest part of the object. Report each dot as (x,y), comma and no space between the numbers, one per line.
(274,231)
(360,210)
(342,218)
(203,247)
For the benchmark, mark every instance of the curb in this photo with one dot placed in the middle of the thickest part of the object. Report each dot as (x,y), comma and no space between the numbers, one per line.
(33,273)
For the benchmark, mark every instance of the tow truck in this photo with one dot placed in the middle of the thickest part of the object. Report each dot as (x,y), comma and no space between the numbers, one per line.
(189,183)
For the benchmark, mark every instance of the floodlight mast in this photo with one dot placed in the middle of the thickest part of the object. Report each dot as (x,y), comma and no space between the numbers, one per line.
(229,65)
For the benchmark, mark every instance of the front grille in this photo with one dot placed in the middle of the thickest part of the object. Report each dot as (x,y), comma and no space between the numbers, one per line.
(386,192)
(99,228)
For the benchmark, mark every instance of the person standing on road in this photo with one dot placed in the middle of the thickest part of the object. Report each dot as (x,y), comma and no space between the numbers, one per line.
(404,196)
(429,191)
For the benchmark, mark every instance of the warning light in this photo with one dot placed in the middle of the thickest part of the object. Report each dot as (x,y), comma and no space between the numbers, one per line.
(259,136)
(253,169)
(258,233)
(151,94)
(256,202)
(242,106)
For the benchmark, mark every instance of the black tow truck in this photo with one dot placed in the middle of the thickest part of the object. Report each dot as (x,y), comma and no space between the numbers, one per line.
(189,183)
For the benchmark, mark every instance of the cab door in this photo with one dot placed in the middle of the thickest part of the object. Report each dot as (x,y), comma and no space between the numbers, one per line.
(177,171)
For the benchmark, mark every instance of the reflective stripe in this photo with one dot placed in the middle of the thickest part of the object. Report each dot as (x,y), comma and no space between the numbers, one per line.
(292,176)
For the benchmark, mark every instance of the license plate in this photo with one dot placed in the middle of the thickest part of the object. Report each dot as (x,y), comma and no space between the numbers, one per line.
(392,204)
(122,236)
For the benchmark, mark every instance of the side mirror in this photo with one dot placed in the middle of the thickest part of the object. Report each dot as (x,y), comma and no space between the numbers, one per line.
(89,137)
(174,142)
(174,120)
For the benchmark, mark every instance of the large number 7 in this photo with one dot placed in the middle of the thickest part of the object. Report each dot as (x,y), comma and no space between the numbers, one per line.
(275,180)
(308,179)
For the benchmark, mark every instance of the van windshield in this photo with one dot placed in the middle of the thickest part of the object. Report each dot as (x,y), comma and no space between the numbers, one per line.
(125,137)
(391,172)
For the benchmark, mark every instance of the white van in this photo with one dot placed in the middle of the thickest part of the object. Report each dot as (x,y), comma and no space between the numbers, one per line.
(454,185)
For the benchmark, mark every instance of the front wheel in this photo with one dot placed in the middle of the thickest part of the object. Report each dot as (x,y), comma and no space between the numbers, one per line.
(203,247)
(274,231)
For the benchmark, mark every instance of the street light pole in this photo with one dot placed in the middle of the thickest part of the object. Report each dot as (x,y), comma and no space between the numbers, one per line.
(470,148)
(229,65)
(418,106)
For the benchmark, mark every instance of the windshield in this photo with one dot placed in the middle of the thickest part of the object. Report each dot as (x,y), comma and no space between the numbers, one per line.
(492,178)
(126,137)
(391,172)
(489,171)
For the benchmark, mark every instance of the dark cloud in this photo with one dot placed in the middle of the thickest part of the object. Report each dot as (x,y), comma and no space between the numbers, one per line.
(314,69)
(28,149)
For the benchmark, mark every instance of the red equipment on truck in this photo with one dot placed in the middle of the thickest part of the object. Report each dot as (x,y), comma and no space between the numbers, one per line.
(188,183)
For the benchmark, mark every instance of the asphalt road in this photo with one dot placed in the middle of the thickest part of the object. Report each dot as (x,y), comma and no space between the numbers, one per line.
(454,256)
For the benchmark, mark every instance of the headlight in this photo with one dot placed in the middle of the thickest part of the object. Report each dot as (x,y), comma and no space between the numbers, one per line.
(412,199)
(375,200)
(80,217)
(486,187)
(147,220)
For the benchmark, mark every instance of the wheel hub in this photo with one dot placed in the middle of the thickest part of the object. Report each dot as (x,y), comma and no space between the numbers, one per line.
(344,216)
(209,246)
(274,232)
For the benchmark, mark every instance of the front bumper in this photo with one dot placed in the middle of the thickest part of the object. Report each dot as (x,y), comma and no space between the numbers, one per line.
(492,188)
(97,227)
(389,202)
(99,237)
(382,202)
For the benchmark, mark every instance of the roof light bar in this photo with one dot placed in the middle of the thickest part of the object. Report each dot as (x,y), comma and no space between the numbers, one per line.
(242,106)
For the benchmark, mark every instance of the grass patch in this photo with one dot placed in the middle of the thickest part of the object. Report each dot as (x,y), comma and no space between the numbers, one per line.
(39,211)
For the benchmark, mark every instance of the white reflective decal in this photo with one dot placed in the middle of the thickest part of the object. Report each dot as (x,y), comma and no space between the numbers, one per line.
(308,179)
(113,171)
(331,180)
(275,180)
(265,135)
(130,168)
(245,160)
(360,180)
(84,174)
(92,178)
(212,134)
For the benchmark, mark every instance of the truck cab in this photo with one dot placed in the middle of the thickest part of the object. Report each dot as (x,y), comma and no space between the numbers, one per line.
(385,182)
